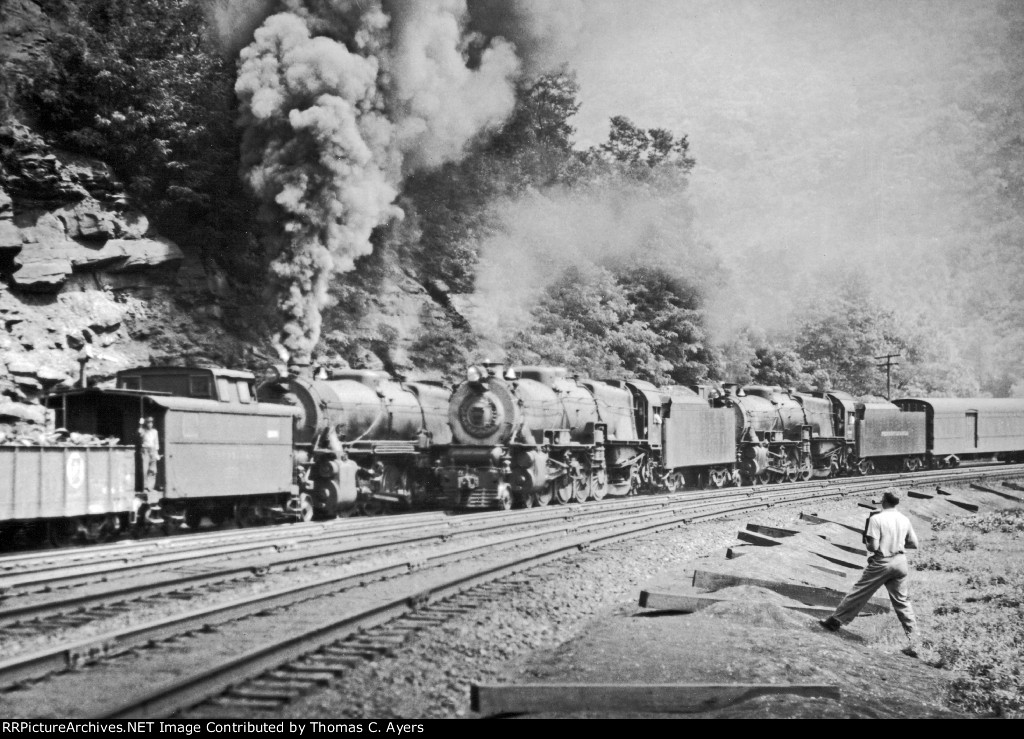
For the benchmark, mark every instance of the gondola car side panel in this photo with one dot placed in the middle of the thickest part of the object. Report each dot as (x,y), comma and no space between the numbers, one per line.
(41,482)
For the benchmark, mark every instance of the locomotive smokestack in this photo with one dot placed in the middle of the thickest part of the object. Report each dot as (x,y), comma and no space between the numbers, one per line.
(300,367)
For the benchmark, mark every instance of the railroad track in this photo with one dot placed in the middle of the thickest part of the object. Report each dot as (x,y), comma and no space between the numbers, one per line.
(318,649)
(55,591)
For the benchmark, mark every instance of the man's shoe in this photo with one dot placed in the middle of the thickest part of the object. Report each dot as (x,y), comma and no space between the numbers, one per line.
(830,624)
(909,651)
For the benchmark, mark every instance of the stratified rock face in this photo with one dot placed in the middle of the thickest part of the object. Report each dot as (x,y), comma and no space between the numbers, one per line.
(70,217)
(81,275)
(147,253)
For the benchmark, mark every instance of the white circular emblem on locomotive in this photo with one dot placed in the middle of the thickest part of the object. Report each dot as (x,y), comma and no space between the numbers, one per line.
(74,470)
(481,415)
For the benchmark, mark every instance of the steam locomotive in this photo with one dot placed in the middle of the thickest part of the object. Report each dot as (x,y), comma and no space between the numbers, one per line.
(534,434)
(362,441)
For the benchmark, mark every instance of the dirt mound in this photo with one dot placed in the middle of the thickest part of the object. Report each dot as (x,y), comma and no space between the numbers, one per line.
(756,594)
(756,614)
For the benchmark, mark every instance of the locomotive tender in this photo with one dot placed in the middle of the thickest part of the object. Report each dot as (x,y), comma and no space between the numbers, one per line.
(223,453)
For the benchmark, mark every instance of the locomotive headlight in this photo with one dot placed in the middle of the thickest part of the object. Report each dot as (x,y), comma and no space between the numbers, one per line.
(473,374)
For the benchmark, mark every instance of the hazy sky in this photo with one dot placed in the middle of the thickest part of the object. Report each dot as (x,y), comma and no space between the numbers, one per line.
(817,125)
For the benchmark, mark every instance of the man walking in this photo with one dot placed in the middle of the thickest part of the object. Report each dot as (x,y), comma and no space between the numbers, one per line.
(887,535)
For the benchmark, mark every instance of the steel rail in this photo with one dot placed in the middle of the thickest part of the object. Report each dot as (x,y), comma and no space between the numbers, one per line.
(34,666)
(39,562)
(472,526)
(51,557)
(124,566)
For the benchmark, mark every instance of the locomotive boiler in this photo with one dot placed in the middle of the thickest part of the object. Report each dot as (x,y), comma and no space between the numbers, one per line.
(362,439)
(530,436)
(534,435)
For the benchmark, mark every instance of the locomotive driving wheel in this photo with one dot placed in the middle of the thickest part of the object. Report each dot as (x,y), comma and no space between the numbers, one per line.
(598,484)
(544,496)
(306,510)
(578,478)
(562,487)
(504,497)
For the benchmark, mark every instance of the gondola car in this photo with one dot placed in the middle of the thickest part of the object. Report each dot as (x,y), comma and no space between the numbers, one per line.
(60,492)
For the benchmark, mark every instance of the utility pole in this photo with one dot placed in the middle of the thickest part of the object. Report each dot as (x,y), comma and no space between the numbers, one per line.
(889,364)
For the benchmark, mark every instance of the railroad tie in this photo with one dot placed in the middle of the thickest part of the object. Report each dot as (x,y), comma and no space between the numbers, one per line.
(235,703)
(313,673)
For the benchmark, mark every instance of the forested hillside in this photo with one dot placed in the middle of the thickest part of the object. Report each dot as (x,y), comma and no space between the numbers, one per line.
(344,193)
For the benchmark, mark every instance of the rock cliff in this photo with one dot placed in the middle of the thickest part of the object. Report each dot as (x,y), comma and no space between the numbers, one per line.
(84,279)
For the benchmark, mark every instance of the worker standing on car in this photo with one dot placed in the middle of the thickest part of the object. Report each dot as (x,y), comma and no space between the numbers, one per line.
(150,445)
(887,535)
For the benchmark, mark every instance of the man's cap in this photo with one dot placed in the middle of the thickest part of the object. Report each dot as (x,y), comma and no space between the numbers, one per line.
(891,497)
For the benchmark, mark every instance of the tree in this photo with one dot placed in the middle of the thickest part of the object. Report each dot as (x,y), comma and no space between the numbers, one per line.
(142,87)
(778,365)
(586,323)
(544,109)
(670,307)
(630,145)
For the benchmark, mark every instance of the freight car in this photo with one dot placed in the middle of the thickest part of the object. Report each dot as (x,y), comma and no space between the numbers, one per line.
(222,454)
(969,428)
(59,492)
(533,435)
(363,440)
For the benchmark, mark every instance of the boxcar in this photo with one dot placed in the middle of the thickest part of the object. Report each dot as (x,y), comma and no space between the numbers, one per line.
(966,428)
(64,491)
